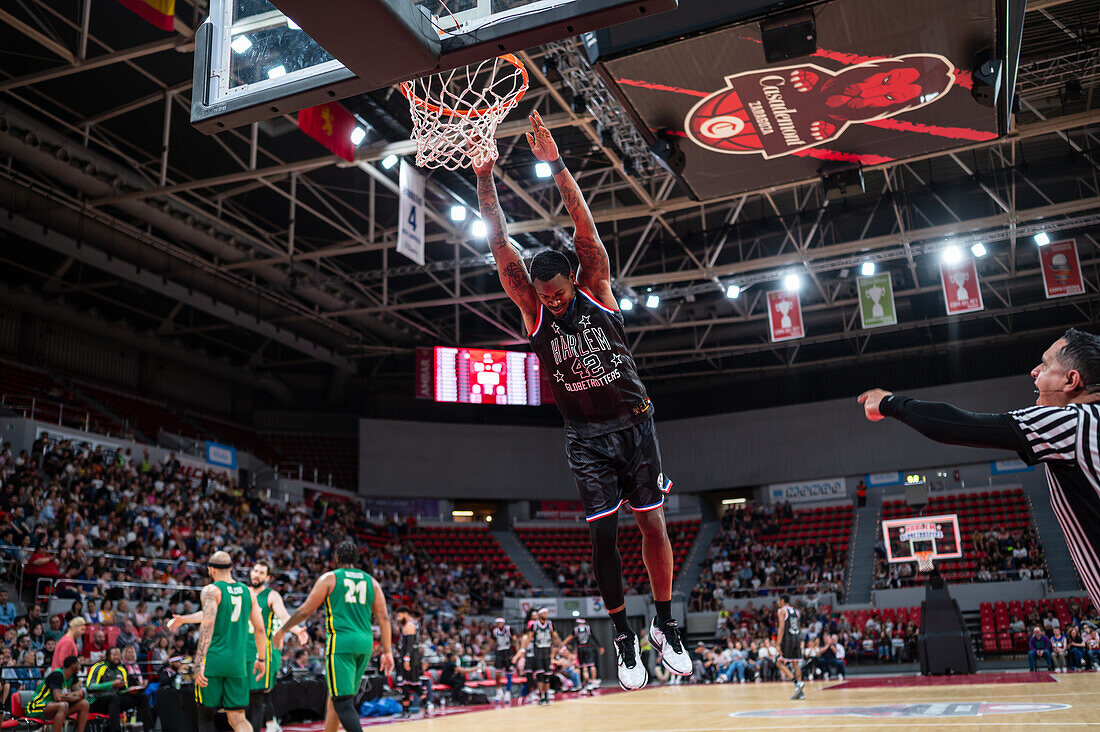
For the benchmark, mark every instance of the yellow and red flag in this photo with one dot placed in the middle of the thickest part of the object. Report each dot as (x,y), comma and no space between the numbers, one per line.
(161,13)
(331,125)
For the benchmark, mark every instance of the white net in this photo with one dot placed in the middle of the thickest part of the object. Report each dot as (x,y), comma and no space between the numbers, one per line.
(455,113)
(924,561)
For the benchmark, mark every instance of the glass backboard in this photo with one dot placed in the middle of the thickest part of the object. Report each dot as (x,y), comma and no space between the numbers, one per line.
(256,59)
(906,537)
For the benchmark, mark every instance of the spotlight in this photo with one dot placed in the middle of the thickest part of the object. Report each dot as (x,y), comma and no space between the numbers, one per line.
(579,103)
(458,213)
(733,292)
(1042,238)
(792,282)
(868,269)
(357,135)
(478,228)
(542,170)
(951,255)
(276,72)
(389,161)
(978,250)
(626,304)
(240,44)
(653,301)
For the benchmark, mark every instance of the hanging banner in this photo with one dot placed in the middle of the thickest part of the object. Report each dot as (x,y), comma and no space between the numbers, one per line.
(960,287)
(1061,269)
(876,301)
(331,125)
(785,316)
(161,13)
(410,234)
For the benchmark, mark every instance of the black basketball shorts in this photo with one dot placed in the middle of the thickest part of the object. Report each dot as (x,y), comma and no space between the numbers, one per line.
(586,656)
(503,660)
(541,660)
(617,468)
(791,649)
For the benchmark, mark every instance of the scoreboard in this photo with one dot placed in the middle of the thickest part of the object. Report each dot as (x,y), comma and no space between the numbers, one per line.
(479,376)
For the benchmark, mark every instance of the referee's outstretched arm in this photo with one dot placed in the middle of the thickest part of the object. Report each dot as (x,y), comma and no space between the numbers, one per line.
(944,422)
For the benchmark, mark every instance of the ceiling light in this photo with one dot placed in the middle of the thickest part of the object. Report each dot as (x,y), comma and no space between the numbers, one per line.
(653,301)
(868,269)
(389,161)
(951,255)
(478,228)
(542,170)
(1042,238)
(240,44)
(458,514)
(978,250)
(357,135)
(792,282)
(733,292)
(276,72)
(625,304)
(458,213)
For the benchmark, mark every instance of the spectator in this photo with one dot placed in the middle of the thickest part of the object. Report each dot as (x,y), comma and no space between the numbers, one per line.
(169,674)
(127,637)
(130,663)
(55,630)
(861,494)
(92,614)
(67,645)
(28,672)
(141,615)
(1059,649)
(1039,650)
(96,649)
(76,610)
(160,650)
(7,609)
(1078,650)
(107,613)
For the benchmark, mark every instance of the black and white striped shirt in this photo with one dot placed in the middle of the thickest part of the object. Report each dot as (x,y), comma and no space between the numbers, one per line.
(1067,441)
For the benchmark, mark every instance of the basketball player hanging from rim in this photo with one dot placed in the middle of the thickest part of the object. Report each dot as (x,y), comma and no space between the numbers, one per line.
(789,639)
(576,330)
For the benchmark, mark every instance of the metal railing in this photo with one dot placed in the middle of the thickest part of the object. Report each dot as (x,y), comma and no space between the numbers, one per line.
(47,410)
(300,471)
(884,582)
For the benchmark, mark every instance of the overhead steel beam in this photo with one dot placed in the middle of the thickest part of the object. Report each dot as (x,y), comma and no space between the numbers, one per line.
(82,252)
(98,62)
(145,101)
(37,36)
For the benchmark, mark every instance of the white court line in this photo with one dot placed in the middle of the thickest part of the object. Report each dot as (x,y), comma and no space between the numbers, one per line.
(898,722)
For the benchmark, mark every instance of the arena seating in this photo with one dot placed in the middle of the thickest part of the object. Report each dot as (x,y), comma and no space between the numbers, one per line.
(336,454)
(146,415)
(903,615)
(556,546)
(831,525)
(52,401)
(996,617)
(1002,510)
(465,545)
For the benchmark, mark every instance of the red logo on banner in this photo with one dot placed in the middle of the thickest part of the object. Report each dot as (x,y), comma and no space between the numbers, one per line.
(331,125)
(1061,269)
(785,316)
(960,287)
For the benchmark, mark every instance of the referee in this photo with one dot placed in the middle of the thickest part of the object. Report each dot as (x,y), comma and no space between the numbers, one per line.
(1062,431)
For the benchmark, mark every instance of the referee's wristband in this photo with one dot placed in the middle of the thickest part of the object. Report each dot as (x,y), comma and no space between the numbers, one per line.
(556,165)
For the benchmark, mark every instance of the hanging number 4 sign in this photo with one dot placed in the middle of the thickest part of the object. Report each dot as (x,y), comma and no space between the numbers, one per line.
(410,235)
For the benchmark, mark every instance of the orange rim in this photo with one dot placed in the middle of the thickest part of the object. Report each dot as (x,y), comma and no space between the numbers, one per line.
(408,92)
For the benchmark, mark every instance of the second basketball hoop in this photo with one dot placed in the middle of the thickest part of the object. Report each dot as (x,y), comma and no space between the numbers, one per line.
(455,113)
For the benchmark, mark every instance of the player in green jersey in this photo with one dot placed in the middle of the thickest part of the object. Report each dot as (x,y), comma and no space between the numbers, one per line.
(271,607)
(351,597)
(58,696)
(220,667)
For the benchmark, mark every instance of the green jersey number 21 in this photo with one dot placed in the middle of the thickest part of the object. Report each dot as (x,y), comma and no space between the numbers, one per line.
(356,592)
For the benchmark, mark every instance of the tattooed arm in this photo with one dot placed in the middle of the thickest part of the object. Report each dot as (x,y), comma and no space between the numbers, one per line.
(513,274)
(210,598)
(595,269)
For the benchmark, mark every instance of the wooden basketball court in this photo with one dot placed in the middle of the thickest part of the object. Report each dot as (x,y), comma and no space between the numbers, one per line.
(905,702)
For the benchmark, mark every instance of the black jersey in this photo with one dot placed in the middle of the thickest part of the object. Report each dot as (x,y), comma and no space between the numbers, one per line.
(583,633)
(589,368)
(792,624)
(503,637)
(543,634)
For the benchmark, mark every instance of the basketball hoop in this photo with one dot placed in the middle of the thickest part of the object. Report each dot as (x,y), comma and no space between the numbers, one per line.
(455,113)
(924,561)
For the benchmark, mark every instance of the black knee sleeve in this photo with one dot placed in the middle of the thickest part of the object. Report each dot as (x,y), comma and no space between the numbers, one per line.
(607,565)
(257,710)
(345,710)
(206,719)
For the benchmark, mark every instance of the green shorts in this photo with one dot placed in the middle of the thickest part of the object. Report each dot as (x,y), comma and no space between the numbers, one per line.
(224,692)
(344,672)
(32,714)
(271,667)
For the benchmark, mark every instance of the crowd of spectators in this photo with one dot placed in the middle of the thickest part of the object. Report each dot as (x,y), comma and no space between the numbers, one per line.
(742,562)
(997,556)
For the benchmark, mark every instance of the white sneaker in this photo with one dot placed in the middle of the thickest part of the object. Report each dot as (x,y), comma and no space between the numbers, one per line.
(273,726)
(666,641)
(628,656)
(507,697)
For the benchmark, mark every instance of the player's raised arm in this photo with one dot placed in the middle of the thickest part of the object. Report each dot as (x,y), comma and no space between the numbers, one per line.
(595,269)
(510,268)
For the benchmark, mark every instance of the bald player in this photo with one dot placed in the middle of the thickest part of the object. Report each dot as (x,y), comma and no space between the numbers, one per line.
(271,607)
(351,598)
(220,667)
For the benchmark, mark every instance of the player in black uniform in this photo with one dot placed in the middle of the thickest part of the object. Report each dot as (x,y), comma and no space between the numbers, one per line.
(790,644)
(588,650)
(408,659)
(542,637)
(576,329)
(502,658)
